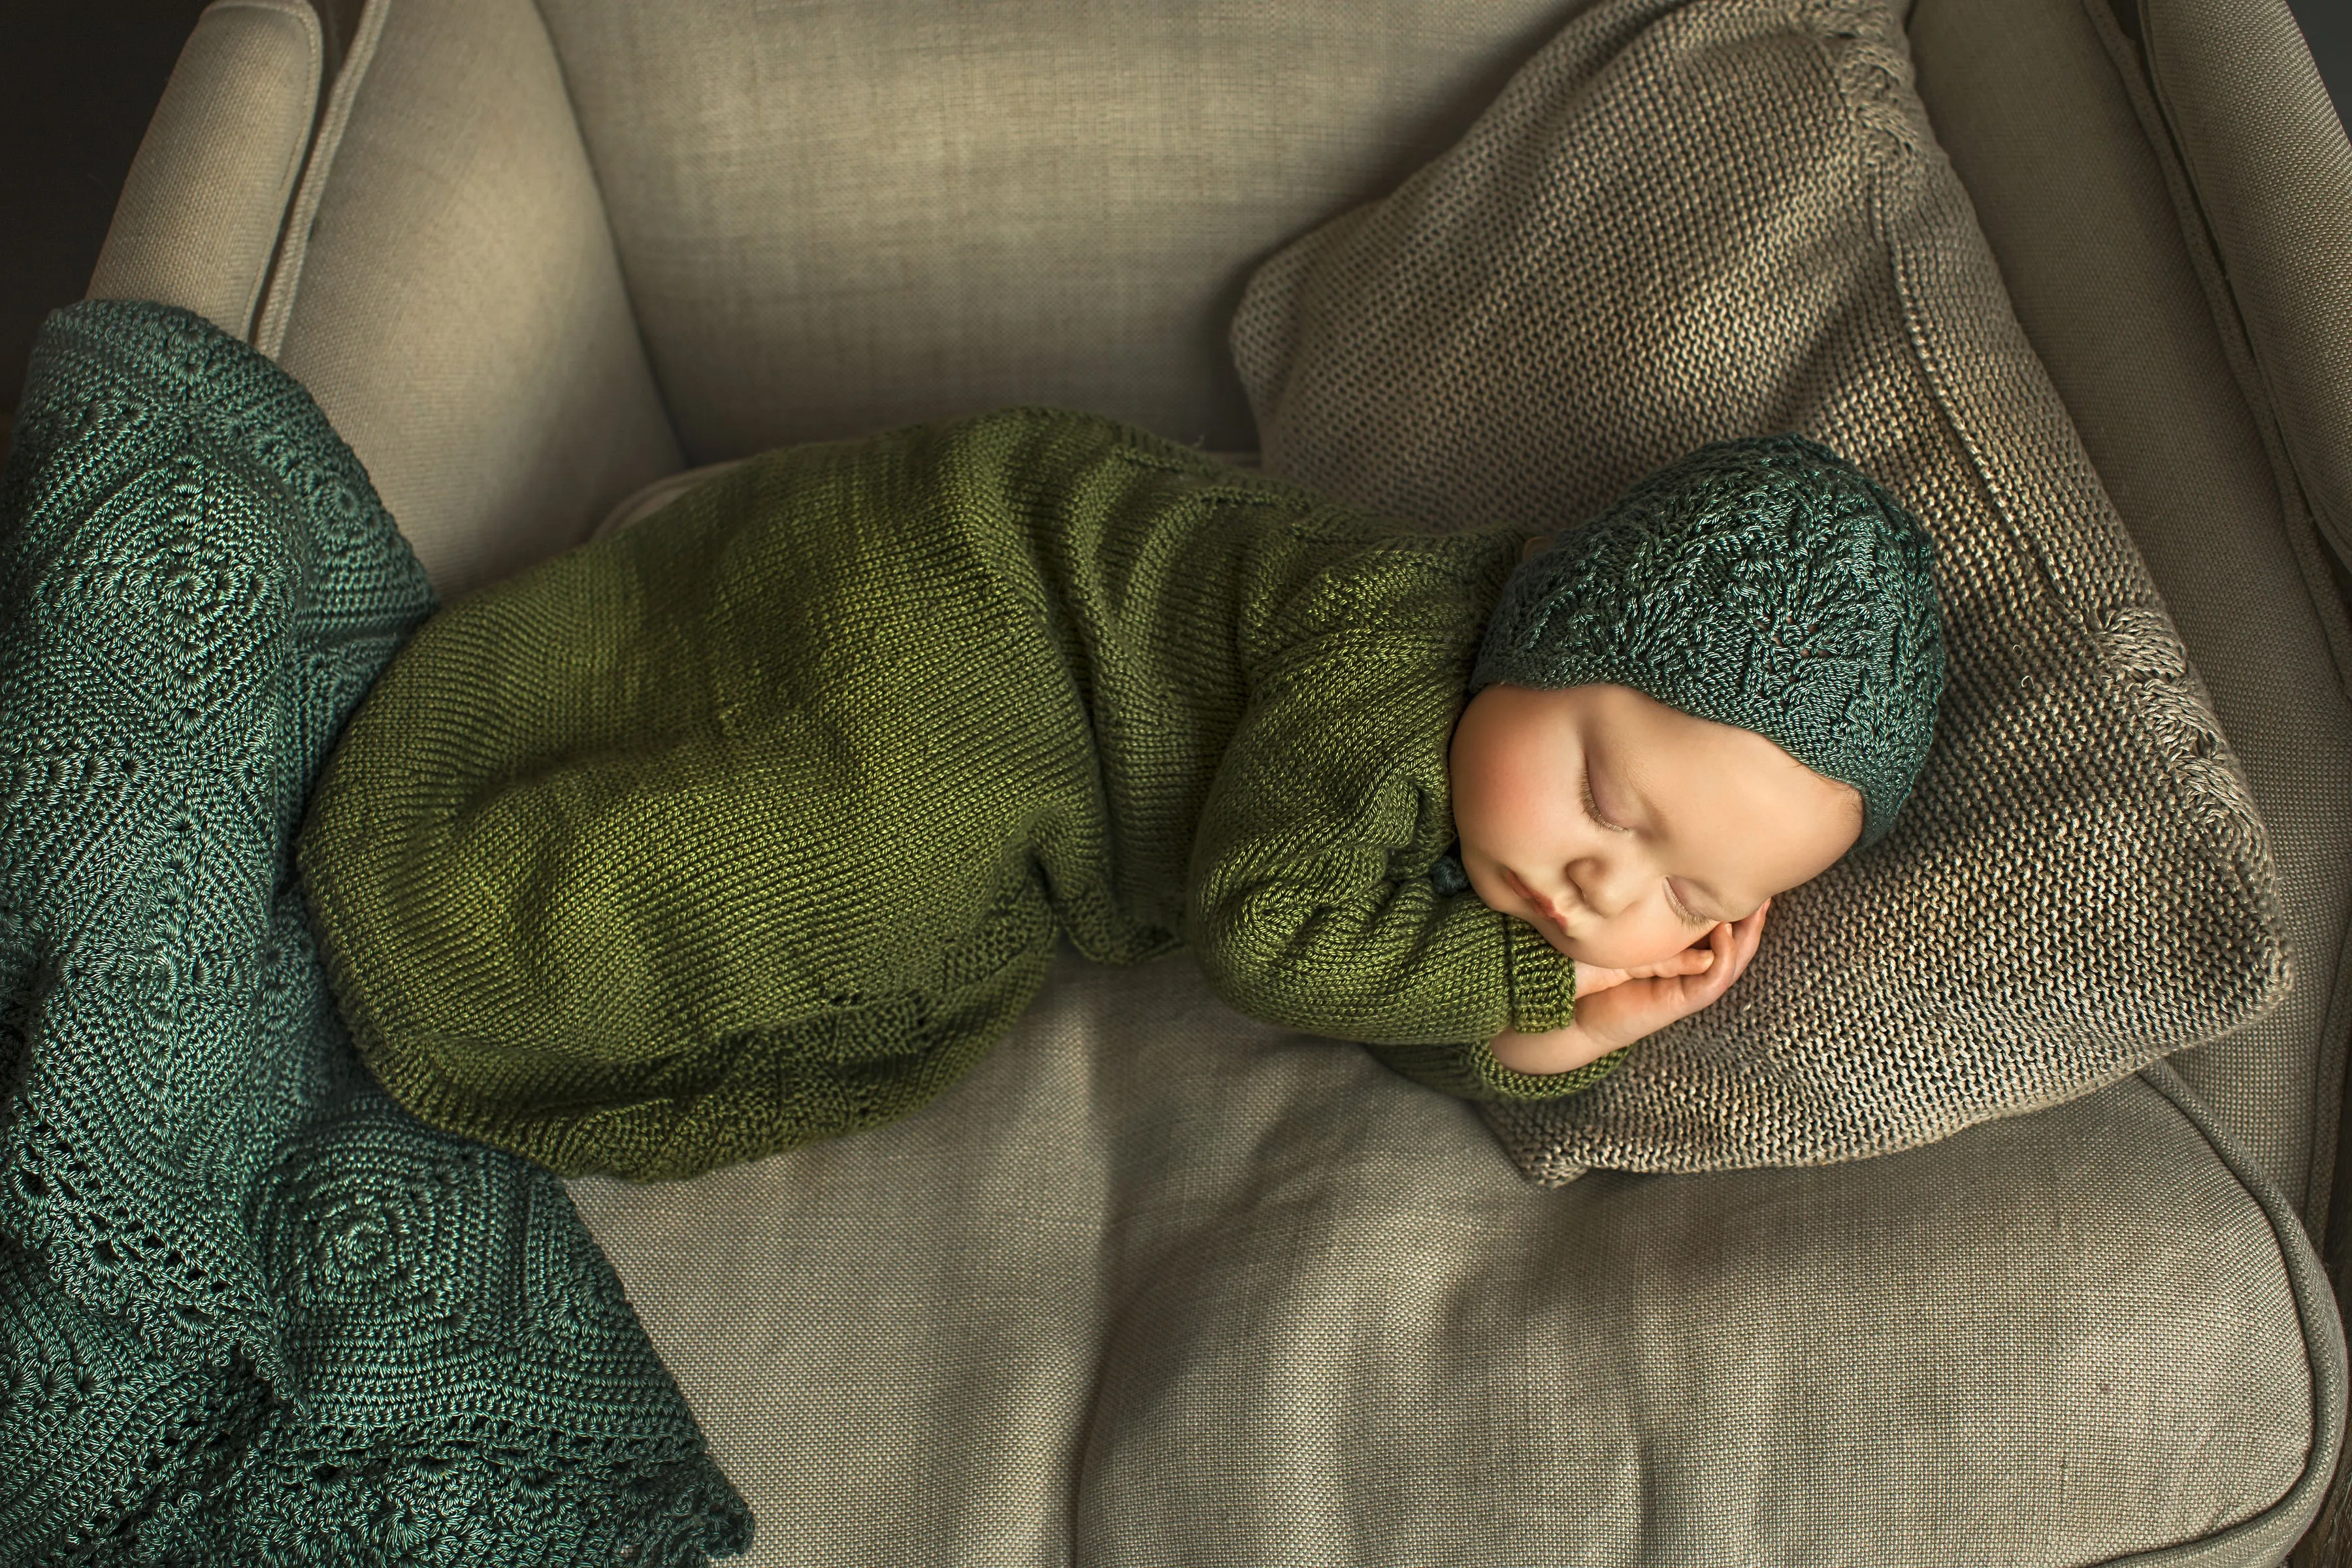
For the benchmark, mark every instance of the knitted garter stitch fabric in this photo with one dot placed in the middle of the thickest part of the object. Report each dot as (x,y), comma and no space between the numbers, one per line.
(254,1312)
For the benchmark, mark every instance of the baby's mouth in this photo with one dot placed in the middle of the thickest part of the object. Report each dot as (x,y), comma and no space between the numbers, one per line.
(1548,910)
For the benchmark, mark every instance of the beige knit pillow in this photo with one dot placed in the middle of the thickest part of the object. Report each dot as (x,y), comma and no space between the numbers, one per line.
(1685,222)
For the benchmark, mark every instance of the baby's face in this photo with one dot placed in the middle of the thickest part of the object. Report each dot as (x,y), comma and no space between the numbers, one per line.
(1625,829)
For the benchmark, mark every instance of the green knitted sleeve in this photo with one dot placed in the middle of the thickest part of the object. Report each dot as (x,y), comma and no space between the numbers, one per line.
(1471,1073)
(1312,903)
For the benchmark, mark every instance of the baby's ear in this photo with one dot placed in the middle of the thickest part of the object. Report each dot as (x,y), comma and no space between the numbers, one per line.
(1534,547)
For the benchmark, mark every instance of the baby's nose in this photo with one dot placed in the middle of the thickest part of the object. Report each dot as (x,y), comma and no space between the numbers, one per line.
(1604,890)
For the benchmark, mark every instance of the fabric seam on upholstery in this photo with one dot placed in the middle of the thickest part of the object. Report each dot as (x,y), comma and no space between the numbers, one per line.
(2321,1133)
(2309,1287)
(285,274)
(308,20)
(613,244)
(2230,329)
(2327,1146)
(2255,373)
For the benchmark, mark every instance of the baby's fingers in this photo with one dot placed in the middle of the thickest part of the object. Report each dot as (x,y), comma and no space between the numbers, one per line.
(1723,968)
(1697,960)
(1743,940)
(1690,960)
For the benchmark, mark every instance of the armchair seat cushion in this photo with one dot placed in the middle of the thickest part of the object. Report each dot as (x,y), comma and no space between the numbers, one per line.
(1153,1286)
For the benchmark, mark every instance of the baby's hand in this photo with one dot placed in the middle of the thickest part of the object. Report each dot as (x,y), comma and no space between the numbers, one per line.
(1591,977)
(1615,1007)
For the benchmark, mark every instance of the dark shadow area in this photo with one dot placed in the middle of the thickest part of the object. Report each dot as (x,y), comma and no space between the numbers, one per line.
(2327,31)
(78,84)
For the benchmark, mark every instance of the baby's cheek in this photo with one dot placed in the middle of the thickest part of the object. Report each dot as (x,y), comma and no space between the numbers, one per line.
(1512,800)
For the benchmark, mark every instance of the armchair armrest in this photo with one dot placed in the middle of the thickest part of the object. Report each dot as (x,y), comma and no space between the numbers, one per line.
(199,216)
(2270,171)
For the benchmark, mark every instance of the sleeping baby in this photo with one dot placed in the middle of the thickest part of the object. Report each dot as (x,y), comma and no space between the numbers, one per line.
(758,823)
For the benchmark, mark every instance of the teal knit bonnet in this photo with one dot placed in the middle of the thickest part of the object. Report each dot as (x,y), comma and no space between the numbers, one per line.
(1764,582)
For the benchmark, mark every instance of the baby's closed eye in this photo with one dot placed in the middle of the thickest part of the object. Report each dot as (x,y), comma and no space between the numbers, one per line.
(1684,910)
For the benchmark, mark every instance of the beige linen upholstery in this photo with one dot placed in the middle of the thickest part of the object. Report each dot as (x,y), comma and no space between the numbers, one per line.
(641,504)
(1157,1287)
(1156,1284)
(2041,111)
(451,297)
(2274,189)
(875,215)
(200,213)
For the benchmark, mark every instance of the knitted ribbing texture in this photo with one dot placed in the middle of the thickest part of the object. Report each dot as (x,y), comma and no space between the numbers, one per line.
(251,1312)
(757,823)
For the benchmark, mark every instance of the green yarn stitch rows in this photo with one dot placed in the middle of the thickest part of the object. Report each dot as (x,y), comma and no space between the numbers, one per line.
(250,1311)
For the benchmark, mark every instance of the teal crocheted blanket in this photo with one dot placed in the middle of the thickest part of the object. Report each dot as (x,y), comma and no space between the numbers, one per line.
(252,1312)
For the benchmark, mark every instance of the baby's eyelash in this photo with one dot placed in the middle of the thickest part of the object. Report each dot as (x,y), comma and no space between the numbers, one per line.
(1674,902)
(1592,810)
